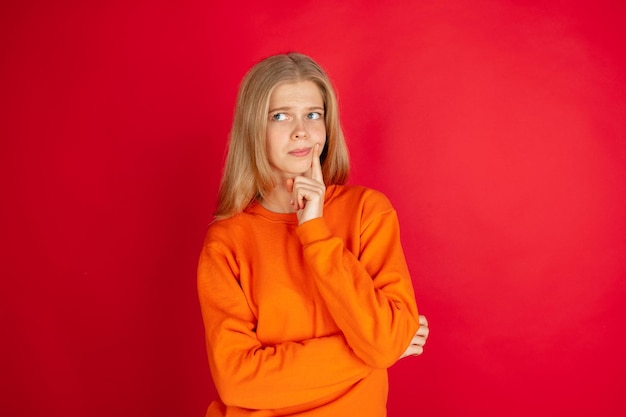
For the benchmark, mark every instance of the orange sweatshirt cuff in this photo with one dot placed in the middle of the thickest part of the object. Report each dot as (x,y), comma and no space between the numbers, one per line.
(313,231)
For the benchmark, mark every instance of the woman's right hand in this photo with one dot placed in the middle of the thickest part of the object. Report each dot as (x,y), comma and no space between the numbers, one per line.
(416,347)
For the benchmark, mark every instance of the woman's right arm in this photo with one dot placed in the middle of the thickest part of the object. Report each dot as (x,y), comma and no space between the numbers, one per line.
(249,374)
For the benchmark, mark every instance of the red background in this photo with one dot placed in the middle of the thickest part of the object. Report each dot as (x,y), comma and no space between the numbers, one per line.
(497,128)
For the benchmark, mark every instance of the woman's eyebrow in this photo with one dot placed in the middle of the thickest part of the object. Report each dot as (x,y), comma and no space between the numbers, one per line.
(289,108)
(279,109)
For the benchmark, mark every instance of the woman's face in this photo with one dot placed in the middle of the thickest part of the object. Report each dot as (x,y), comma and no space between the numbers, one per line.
(295,124)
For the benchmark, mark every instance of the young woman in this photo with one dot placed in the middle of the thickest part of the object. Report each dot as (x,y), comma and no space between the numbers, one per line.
(305,293)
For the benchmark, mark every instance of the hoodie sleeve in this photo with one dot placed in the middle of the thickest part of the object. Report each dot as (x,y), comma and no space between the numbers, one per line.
(251,375)
(369,294)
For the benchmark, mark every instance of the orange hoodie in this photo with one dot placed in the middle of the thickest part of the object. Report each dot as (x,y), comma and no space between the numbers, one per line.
(306,319)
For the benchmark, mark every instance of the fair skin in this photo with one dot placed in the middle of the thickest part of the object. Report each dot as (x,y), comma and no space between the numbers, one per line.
(416,347)
(296,134)
(295,137)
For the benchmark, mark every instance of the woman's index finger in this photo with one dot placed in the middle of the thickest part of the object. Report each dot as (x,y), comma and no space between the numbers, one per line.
(316,165)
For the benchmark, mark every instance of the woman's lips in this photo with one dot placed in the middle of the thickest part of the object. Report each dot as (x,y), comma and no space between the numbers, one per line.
(300,152)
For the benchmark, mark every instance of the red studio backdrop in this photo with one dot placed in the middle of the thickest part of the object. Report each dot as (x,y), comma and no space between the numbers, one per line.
(497,129)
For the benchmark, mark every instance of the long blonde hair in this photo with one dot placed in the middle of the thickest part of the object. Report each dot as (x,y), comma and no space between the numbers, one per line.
(247,172)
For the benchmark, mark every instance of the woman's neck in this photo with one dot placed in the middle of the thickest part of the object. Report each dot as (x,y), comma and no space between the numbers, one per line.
(278,200)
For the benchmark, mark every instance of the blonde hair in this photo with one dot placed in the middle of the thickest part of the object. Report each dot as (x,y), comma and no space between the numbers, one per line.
(247,172)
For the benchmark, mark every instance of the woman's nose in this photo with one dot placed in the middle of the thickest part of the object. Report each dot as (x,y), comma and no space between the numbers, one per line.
(299,131)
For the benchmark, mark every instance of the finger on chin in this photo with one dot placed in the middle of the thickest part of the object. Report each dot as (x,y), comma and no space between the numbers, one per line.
(316,165)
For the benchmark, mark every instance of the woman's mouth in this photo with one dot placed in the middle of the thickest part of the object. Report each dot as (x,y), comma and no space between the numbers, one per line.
(300,152)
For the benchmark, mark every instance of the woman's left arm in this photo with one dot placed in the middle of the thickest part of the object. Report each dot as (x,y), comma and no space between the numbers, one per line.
(371,296)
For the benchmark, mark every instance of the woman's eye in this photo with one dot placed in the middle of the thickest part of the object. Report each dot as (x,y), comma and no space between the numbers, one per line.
(314,115)
(279,116)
